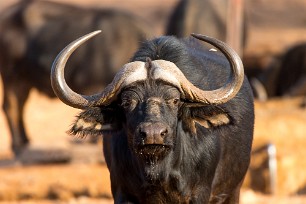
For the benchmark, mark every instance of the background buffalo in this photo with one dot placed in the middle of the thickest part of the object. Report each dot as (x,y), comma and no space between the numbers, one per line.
(34,32)
(286,75)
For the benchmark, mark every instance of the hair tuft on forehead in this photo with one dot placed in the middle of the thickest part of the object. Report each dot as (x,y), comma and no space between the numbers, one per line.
(148,64)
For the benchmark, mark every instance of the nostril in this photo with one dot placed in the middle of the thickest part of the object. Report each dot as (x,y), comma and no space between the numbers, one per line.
(142,133)
(164,132)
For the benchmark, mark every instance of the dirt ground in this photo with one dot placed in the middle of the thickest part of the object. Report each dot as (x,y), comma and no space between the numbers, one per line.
(79,174)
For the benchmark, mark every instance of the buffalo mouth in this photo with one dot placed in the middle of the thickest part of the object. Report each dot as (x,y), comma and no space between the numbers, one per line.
(153,150)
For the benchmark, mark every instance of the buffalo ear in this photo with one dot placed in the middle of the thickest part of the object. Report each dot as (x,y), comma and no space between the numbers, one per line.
(206,116)
(96,121)
(211,121)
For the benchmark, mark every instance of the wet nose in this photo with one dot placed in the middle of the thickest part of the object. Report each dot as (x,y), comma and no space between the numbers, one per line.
(153,133)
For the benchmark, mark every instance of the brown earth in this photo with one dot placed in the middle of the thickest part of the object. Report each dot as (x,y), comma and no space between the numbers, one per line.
(85,178)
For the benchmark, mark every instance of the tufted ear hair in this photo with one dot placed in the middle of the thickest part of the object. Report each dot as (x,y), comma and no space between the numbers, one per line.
(97,121)
(205,116)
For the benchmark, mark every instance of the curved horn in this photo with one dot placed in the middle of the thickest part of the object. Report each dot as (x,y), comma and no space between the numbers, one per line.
(58,82)
(129,73)
(231,88)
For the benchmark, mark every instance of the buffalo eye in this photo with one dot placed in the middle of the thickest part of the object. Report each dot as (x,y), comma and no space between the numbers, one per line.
(129,100)
(128,104)
(176,101)
(173,101)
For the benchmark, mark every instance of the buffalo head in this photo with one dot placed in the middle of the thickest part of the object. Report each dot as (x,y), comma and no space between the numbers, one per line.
(144,99)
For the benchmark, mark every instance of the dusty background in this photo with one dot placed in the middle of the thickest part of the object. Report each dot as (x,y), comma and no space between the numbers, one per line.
(86,180)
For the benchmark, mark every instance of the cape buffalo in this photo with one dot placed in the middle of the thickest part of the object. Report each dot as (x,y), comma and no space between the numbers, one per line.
(33,32)
(201,16)
(177,121)
(287,75)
